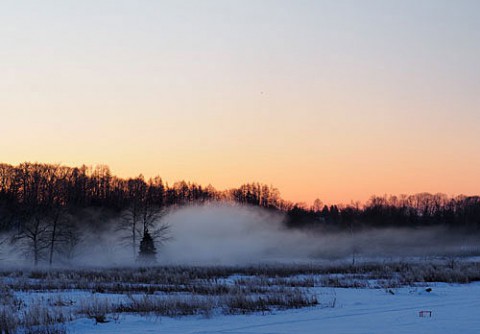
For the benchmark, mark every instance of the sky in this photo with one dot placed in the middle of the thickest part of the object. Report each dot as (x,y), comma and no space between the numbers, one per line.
(336,100)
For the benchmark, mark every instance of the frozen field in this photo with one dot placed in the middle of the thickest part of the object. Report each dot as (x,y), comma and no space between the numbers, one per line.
(455,309)
(362,298)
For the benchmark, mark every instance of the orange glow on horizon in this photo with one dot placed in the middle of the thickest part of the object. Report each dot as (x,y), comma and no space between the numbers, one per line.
(319,99)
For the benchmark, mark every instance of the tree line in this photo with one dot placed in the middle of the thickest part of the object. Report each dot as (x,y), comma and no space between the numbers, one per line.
(45,206)
(54,185)
(418,210)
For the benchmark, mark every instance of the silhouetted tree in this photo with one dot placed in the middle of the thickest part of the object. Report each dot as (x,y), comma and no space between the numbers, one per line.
(147,249)
(33,237)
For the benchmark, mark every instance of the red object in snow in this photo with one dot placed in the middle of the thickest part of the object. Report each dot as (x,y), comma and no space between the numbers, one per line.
(424,314)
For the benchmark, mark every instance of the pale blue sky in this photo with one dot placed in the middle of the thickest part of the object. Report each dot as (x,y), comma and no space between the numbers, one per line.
(335,99)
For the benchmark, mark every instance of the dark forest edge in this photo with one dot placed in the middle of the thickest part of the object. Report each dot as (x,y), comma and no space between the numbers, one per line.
(44,206)
(31,186)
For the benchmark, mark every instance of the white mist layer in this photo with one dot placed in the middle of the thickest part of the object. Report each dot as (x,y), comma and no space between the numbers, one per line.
(229,234)
(237,235)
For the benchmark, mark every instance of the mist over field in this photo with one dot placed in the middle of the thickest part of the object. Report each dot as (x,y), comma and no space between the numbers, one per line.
(224,234)
(230,234)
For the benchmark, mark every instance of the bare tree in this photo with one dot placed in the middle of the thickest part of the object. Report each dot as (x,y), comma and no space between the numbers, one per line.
(33,235)
(60,232)
(71,237)
(131,220)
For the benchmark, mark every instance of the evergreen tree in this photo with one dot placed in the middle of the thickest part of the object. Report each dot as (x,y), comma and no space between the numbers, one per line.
(147,249)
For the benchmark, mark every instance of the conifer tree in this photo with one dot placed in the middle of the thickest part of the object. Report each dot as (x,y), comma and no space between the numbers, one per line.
(147,249)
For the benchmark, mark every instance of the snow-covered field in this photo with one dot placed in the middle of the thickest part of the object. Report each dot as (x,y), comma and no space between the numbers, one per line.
(455,309)
(362,298)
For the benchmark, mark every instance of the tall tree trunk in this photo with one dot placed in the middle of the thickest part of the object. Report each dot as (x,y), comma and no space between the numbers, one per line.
(36,246)
(53,239)
(134,239)
(35,251)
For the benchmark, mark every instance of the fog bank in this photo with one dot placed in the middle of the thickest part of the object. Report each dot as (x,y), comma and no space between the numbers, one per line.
(232,234)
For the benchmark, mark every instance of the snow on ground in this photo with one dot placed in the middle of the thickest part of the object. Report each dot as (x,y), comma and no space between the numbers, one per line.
(455,309)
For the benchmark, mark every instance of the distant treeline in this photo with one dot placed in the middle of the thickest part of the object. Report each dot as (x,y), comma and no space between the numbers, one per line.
(47,210)
(417,210)
(33,187)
